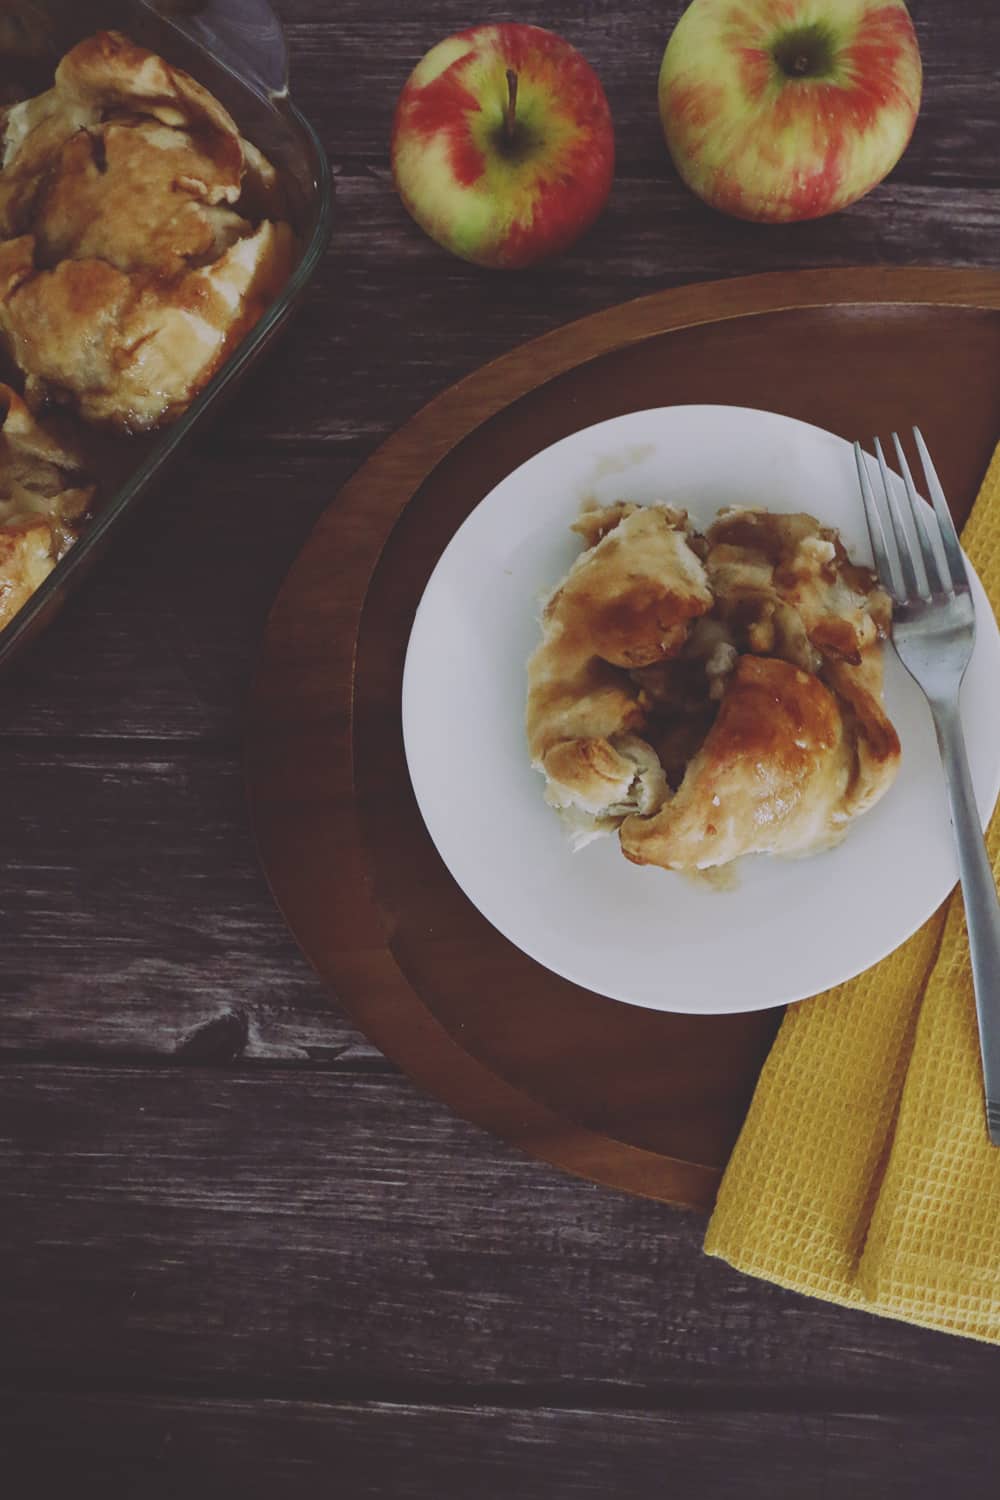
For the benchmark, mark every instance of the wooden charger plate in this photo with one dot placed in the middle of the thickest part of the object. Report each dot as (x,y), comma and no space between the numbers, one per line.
(639,1100)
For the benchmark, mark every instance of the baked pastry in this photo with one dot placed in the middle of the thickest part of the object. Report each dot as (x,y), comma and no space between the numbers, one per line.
(748,720)
(771,777)
(43,497)
(140,236)
(626,603)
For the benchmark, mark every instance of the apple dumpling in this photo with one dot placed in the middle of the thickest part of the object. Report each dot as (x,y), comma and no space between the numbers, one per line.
(140,236)
(711,696)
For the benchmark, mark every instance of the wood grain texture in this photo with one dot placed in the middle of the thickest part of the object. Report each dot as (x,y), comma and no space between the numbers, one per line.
(286,1270)
(391,319)
(131,1446)
(635,1099)
(126,935)
(163,641)
(403,318)
(338,1237)
(956,140)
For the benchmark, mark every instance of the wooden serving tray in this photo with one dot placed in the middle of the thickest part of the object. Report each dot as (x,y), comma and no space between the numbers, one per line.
(647,1102)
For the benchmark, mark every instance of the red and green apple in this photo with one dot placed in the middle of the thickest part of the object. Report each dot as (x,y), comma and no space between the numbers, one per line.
(789,109)
(502,145)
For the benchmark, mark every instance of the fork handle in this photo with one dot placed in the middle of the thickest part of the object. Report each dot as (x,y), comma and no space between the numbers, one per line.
(982,908)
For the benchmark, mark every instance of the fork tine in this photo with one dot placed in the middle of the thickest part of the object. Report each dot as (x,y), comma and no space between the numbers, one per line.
(903,548)
(885,568)
(949,536)
(928,556)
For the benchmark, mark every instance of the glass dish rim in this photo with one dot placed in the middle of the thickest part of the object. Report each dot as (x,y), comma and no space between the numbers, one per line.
(171,439)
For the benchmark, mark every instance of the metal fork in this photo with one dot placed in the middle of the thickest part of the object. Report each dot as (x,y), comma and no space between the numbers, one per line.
(934,628)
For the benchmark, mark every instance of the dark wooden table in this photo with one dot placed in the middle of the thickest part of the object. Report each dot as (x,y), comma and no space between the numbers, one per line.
(239,1253)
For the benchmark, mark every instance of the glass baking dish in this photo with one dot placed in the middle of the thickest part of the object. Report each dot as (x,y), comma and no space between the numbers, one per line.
(235,48)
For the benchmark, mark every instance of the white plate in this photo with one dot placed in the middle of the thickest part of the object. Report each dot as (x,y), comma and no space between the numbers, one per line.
(651,937)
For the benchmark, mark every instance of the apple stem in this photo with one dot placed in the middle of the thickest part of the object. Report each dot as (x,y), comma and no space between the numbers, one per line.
(801,64)
(511,110)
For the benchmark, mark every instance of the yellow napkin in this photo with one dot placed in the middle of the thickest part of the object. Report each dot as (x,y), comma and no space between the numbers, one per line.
(864,1173)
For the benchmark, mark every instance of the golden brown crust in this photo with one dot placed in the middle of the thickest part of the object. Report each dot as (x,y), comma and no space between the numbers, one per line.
(109,71)
(770,777)
(597,774)
(573,699)
(877,748)
(765,714)
(792,571)
(135,196)
(129,269)
(629,598)
(43,497)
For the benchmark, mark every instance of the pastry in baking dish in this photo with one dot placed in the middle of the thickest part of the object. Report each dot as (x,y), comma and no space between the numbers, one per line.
(43,497)
(711,696)
(140,236)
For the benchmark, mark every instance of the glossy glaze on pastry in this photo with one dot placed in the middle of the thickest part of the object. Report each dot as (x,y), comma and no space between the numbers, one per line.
(140,236)
(44,496)
(711,696)
(626,603)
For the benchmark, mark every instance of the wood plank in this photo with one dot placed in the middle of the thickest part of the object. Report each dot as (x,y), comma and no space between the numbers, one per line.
(392,318)
(957,137)
(135,914)
(268,1234)
(259,1209)
(631,1093)
(148,992)
(157,1448)
(177,608)
(163,640)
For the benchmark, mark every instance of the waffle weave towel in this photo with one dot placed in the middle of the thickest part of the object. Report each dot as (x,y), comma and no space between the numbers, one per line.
(864,1173)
